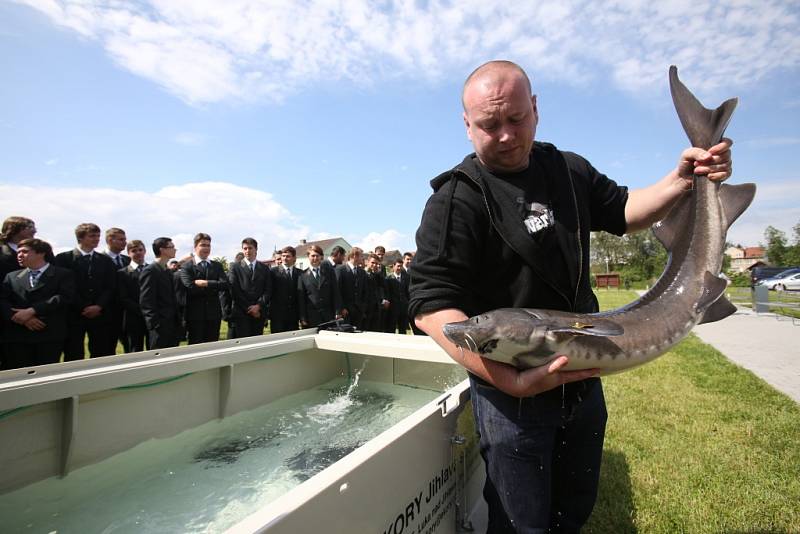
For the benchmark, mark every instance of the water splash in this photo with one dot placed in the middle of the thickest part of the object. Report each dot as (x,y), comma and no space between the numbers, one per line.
(355,379)
(337,407)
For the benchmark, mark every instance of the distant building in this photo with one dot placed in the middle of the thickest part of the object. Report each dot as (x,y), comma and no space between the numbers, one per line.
(392,256)
(743,258)
(325,244)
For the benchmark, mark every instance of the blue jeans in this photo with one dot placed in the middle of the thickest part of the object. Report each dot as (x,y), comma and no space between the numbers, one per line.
(542,455)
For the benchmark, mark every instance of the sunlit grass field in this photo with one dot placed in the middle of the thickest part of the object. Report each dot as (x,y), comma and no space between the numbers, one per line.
(696,444)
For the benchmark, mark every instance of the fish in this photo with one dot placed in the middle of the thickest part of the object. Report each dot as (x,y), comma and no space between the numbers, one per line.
(689,291)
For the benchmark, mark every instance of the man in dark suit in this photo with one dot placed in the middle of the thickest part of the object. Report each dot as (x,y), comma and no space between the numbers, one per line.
(116,240)
(134,330)
(34,305)
(352,282)
(174,267)
(397,294)
(205,283)
(14,230)
(157,297)
(375,296)
(335,259)
(284,313)
(408,257)
(96,281)
(318,295)
(385,312)
(250,293)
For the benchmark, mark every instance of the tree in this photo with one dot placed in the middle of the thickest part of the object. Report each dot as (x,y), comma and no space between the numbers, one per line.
(223,260)
(638,257)
(646,257)
(776,247)
(793,252)
(607,251)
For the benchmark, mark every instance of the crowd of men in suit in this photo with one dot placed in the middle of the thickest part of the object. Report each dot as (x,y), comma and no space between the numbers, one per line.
(50,304)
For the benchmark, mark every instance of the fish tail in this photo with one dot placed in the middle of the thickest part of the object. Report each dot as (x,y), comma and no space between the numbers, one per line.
(703,126)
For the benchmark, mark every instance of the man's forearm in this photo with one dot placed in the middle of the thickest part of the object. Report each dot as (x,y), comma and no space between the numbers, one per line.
(651,204)
(500,375)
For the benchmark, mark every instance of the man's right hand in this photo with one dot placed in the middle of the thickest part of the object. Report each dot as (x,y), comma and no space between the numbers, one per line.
(34,324)
(537,380)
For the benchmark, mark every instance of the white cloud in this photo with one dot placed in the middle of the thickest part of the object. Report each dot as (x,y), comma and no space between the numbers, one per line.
(208,51)
(226,211)
(390,239)
(51,162)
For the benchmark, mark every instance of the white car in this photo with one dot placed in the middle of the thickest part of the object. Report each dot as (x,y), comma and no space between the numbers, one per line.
(783,282)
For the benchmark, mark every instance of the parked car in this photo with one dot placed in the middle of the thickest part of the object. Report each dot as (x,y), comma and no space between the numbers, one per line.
(760,273)
(786,280)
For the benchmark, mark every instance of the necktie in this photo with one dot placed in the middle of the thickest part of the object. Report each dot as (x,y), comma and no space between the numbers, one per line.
(118,259)
(252,270)
(139,268)
(316,273)
(35,277)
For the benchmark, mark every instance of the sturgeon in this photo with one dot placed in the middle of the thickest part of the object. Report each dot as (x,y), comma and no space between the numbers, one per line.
(688,292)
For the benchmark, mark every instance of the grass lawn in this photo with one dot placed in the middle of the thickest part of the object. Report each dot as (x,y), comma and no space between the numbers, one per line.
(696,444)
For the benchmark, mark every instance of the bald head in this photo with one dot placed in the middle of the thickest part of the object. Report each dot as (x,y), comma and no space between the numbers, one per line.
(493,73)
(500,115)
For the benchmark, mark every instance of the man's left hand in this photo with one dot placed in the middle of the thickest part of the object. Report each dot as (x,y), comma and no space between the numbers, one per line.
(714,163)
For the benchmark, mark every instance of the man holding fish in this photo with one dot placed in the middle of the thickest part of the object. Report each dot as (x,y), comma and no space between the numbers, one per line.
(509,228)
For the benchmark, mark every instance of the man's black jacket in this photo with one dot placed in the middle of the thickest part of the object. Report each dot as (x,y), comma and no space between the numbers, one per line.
(475,254)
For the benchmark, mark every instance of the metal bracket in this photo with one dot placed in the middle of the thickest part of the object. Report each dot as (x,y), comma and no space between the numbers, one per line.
(225,385)
(69,429)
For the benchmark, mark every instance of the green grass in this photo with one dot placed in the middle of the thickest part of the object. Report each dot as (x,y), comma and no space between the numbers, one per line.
(696,444)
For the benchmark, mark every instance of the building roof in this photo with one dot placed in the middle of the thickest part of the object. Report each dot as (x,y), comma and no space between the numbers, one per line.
(324,244)
(754,252)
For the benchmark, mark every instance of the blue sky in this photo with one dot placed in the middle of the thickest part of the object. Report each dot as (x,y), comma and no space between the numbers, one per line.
(304,120)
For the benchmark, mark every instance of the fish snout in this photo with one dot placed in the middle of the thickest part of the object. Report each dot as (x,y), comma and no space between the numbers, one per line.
(459,334)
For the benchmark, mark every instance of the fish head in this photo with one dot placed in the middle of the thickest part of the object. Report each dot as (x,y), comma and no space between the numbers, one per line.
(501,334)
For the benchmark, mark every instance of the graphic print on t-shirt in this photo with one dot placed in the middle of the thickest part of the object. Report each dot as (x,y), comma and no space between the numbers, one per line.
(538,217)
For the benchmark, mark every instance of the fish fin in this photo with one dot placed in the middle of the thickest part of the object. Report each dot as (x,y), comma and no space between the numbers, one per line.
(720,309)
(703,126)
(713,288)
(595,327)
(735,199)
(675,222)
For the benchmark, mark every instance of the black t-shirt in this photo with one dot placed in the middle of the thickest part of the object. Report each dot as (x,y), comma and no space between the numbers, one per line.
(536,214)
